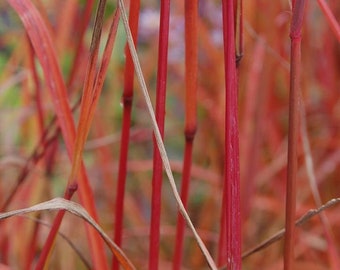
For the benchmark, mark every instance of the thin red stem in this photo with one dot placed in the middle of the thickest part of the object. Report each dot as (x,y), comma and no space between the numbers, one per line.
(160,115)
(294,96)
(230,253)
(125,135)
(191,10)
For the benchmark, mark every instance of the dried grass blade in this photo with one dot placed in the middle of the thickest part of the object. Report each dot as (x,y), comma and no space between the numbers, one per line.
(78,210)
(302,220)
(158,137)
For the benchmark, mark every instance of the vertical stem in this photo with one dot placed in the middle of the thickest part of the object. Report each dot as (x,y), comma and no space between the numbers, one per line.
(230,239)
(294,96)
(125,135)
(191,10)
(160,113)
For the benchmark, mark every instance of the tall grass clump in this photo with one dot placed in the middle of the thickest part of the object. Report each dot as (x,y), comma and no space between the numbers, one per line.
(169,134)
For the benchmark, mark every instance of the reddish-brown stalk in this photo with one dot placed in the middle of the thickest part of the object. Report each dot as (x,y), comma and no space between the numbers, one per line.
(294,96)
(125,134)
(191,10)
(330,18)
(160,115)
(39,35)
(230,239)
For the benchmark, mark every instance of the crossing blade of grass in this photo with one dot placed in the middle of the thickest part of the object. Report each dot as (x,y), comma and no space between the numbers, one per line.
(45,52)
(294,104)
(126,124)
(302,220)
(158,137)
(77,210)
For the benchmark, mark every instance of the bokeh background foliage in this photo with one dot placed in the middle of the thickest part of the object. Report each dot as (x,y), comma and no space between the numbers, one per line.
(27,111)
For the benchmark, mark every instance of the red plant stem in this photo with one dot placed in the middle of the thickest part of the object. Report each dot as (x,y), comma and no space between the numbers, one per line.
(294,96)
(330,18)
(125,135)
(191,11)
(160,115)
(230,239)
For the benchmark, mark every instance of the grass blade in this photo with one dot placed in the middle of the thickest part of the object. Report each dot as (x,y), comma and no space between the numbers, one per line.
(78,210)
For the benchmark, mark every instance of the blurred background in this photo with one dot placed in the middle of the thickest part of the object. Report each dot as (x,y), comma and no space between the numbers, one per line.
(263,73)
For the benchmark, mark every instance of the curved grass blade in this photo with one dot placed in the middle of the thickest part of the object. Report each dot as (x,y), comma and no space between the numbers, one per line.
(78,210)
